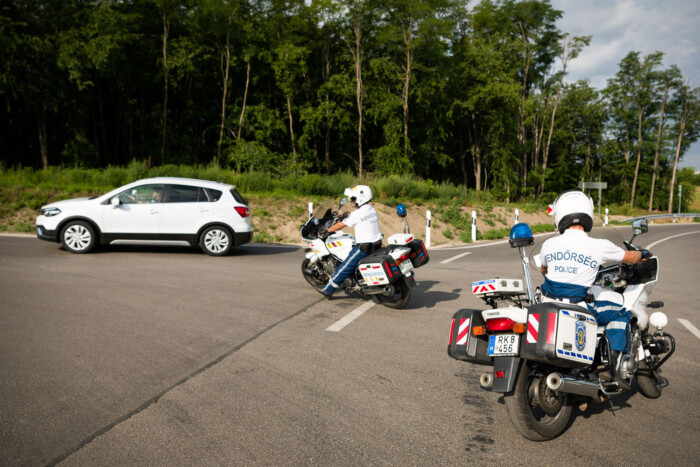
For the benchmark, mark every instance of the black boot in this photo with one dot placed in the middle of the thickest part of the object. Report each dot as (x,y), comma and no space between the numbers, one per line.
(616,359)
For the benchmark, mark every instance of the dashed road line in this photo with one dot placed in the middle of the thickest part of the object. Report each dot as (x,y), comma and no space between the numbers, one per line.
(449,260)
(350,317)
(690,327)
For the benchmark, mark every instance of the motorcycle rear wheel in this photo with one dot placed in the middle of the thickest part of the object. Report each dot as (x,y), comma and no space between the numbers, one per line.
(649,383)
(402,294)
(316,279)
(528,418)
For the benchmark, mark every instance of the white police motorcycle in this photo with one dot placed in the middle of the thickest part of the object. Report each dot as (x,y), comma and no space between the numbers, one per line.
(388,274)
(548,356)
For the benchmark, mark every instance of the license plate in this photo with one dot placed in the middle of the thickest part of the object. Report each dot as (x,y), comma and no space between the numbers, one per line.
(373,274)
(406,268)
(503,344)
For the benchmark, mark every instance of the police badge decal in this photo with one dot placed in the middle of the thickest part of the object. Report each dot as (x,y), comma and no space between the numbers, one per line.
(580,335)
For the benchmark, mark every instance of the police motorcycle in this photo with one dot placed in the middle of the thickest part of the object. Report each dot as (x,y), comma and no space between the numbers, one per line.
(387,274)
(547,357)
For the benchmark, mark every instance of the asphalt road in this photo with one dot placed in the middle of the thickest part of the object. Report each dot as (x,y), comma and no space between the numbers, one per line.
(165,356)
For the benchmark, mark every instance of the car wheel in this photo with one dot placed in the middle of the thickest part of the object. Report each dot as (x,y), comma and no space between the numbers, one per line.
(216,241)
(78,237)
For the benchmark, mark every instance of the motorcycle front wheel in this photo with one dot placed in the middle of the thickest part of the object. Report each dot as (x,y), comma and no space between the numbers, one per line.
(313,275)
(400,298)
(525,412)
(648,381)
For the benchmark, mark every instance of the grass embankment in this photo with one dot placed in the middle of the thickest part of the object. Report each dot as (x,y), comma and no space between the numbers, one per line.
(279,205)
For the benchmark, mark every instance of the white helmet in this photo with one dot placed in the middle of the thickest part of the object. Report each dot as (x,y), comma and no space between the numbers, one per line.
(359,194)
(573,208)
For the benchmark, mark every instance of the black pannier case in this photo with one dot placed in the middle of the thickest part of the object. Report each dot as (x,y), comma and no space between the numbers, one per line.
(419,254)
(387,263)
(464,345)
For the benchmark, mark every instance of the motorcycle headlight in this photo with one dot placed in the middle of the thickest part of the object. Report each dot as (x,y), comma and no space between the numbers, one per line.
(49,212)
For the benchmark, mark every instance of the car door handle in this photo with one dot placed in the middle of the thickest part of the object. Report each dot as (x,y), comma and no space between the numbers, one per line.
(203,210)
(154,211)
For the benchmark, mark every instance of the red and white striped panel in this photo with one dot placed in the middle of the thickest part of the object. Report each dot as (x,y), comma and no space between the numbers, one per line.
(463,331)
(533,328)
(484,288)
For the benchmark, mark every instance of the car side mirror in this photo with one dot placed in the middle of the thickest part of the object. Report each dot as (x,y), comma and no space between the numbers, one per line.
(115,202)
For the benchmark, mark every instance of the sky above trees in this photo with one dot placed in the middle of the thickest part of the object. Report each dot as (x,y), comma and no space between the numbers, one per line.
(618,26)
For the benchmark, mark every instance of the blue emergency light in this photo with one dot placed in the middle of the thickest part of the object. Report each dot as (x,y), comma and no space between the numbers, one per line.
(401,210)
(521,235)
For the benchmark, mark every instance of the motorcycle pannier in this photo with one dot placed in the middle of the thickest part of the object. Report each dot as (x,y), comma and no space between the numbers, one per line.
(464,345)
(379,269)
(419,255)
(560,334)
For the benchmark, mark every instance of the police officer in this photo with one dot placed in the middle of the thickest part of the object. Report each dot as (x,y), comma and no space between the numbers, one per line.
(367,235)
(571,261)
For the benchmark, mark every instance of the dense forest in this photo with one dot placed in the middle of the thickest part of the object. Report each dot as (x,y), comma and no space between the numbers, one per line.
(470,93)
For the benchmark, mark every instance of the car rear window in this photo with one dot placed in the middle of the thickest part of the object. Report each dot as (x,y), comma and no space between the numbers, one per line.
(192,194)
(184,194)
(213,195)
(237,196)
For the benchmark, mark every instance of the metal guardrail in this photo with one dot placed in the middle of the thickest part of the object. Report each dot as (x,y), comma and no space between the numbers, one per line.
(662,216)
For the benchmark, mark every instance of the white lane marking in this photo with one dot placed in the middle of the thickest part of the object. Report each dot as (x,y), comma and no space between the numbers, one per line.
(499,242)
(350,317)
(449,260)
(669,238)
(690,327)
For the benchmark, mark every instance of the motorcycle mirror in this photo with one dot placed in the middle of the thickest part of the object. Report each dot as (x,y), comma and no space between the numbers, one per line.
(538,261)
(401,210)
(343,202)
(640,226)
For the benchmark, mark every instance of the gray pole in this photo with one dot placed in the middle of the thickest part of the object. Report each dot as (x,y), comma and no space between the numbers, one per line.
(680,187)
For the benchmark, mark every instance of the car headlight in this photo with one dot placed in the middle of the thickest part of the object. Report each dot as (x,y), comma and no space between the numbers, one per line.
(49,212)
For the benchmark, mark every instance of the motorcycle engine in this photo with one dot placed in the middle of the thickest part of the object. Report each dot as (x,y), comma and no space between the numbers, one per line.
(628,366)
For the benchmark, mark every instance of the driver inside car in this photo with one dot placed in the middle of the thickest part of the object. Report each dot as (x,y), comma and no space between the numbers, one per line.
(570,263)
(367,235)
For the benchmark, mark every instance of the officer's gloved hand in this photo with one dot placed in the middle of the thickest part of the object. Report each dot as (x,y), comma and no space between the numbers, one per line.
(646,254)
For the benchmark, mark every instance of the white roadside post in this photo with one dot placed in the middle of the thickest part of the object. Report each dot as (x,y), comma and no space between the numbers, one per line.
(311,210)
(473,226)
(516,215)
(427,229)
(606,217)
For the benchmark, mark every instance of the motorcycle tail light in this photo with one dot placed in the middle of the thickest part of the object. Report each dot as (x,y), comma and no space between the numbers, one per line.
(403,258)
(499,374)
(479,330)
(499,324)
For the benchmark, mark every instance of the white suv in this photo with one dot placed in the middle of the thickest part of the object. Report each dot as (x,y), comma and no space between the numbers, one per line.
(213,215)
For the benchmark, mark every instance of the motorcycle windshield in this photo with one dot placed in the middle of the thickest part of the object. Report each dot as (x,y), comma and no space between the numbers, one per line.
(324,209)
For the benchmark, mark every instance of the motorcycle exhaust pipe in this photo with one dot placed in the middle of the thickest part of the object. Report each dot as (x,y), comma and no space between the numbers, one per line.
(486,380)
(388,290)
(557,382)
